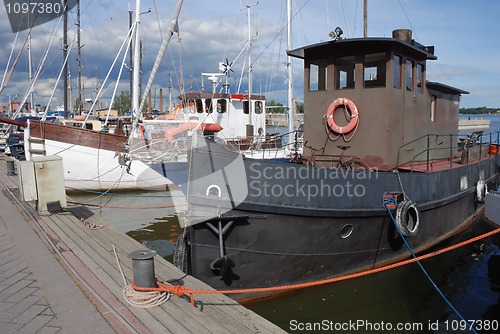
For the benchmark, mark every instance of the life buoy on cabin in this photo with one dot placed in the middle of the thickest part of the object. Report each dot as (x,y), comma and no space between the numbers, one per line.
(354,116)
(481,190)
(407,218)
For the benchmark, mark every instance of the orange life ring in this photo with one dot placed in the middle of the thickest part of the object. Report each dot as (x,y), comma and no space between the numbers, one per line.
(354,116)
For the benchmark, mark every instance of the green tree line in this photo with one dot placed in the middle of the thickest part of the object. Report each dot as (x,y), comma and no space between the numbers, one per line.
(479,110)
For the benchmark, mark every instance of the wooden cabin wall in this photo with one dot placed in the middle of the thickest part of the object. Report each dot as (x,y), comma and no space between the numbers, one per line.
(388,118)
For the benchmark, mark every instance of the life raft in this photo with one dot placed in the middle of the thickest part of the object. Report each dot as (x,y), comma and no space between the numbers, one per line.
(407,218)
(353,114)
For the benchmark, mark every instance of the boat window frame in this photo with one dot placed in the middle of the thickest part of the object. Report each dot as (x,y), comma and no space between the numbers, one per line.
(409,75)
(420,69)
(349,68)
(190,106)
(208,106)
(374,63)
(223,106)
(258,107)
(397,70)
(199,105)
(318,75)
(246,106)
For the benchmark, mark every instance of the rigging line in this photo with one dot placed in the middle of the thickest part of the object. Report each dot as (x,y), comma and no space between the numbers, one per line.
(408,19)
(44,117)
(125,55)
(393,201)
(157,18)
(39,67)
(10,58)
(9,75)
(125,41)
(284,27)
(166,39)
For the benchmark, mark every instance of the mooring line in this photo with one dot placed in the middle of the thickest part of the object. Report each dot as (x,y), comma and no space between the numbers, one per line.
(181,291)
(386,205)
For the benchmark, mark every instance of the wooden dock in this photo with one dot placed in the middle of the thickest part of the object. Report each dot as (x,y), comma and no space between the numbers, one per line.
(88,254)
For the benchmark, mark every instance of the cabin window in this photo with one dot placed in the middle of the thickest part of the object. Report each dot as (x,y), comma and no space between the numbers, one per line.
(317,75)
(374,70)
(199,106)
(420,77)
(344,72)
(221,106)
(258,107)
(191,107)
(246,107)
(396,62)
(208,106)
(409,75)
(433,107)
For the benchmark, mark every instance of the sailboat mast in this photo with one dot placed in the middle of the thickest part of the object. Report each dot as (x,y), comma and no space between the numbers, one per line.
(135,65)
(79,47)
(249,69)
(291,105)
(65,55)
(30,67)
(250,65)
(365,19)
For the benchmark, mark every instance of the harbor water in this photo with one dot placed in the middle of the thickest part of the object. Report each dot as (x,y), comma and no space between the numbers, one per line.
(401,300)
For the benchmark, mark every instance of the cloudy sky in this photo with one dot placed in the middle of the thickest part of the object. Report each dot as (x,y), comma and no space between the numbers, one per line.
(464,34)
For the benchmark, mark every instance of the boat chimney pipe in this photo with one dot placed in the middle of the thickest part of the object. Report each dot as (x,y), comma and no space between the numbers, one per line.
(404,35)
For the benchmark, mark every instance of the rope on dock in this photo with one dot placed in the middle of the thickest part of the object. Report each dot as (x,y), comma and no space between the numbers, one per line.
(141,299)
(181,291)
(127,207)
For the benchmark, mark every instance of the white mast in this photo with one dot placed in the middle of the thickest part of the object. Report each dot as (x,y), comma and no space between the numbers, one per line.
(250,64)
(291,105)
(135,65)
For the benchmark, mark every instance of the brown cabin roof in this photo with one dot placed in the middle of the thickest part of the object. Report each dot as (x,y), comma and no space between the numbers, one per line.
(350,45)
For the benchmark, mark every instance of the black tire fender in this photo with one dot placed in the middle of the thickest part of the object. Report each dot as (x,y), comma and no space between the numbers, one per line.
(407,218)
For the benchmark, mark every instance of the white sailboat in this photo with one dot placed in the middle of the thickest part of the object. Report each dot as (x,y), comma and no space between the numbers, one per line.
(95,160)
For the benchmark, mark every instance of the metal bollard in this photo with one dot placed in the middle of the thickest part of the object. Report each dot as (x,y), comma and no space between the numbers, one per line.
(143,266)
(11,168)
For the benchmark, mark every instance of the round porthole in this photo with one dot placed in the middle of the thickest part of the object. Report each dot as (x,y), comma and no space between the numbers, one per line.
(346,231)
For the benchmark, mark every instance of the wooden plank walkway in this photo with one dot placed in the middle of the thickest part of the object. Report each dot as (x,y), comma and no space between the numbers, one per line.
(90,256)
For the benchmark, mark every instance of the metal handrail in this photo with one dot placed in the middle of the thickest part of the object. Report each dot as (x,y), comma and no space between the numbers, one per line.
(450,147)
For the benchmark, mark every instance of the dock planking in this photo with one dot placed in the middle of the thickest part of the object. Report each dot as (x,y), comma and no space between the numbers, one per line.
(90,254)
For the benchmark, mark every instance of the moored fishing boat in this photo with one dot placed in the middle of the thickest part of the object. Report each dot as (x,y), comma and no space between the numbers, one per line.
(377,136)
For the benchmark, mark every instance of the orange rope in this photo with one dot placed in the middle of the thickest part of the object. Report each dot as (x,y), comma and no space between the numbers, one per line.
(183,290)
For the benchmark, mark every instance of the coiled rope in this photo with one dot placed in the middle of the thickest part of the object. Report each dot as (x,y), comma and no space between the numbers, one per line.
(141,299)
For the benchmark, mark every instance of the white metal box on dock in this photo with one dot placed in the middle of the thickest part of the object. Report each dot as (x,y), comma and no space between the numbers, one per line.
(42,179)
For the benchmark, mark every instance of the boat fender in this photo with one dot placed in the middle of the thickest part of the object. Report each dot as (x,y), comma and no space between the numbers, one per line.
(346,103)
(481,190)
(407,218)
(181,255)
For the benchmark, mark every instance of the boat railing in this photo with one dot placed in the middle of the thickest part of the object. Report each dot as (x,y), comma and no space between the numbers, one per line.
(464,144)
(271,146)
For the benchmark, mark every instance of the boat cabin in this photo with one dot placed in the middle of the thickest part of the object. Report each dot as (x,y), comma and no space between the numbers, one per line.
(238,116)
(369,98)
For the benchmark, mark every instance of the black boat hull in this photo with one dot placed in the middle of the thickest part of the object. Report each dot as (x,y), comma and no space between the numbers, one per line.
(303,238)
